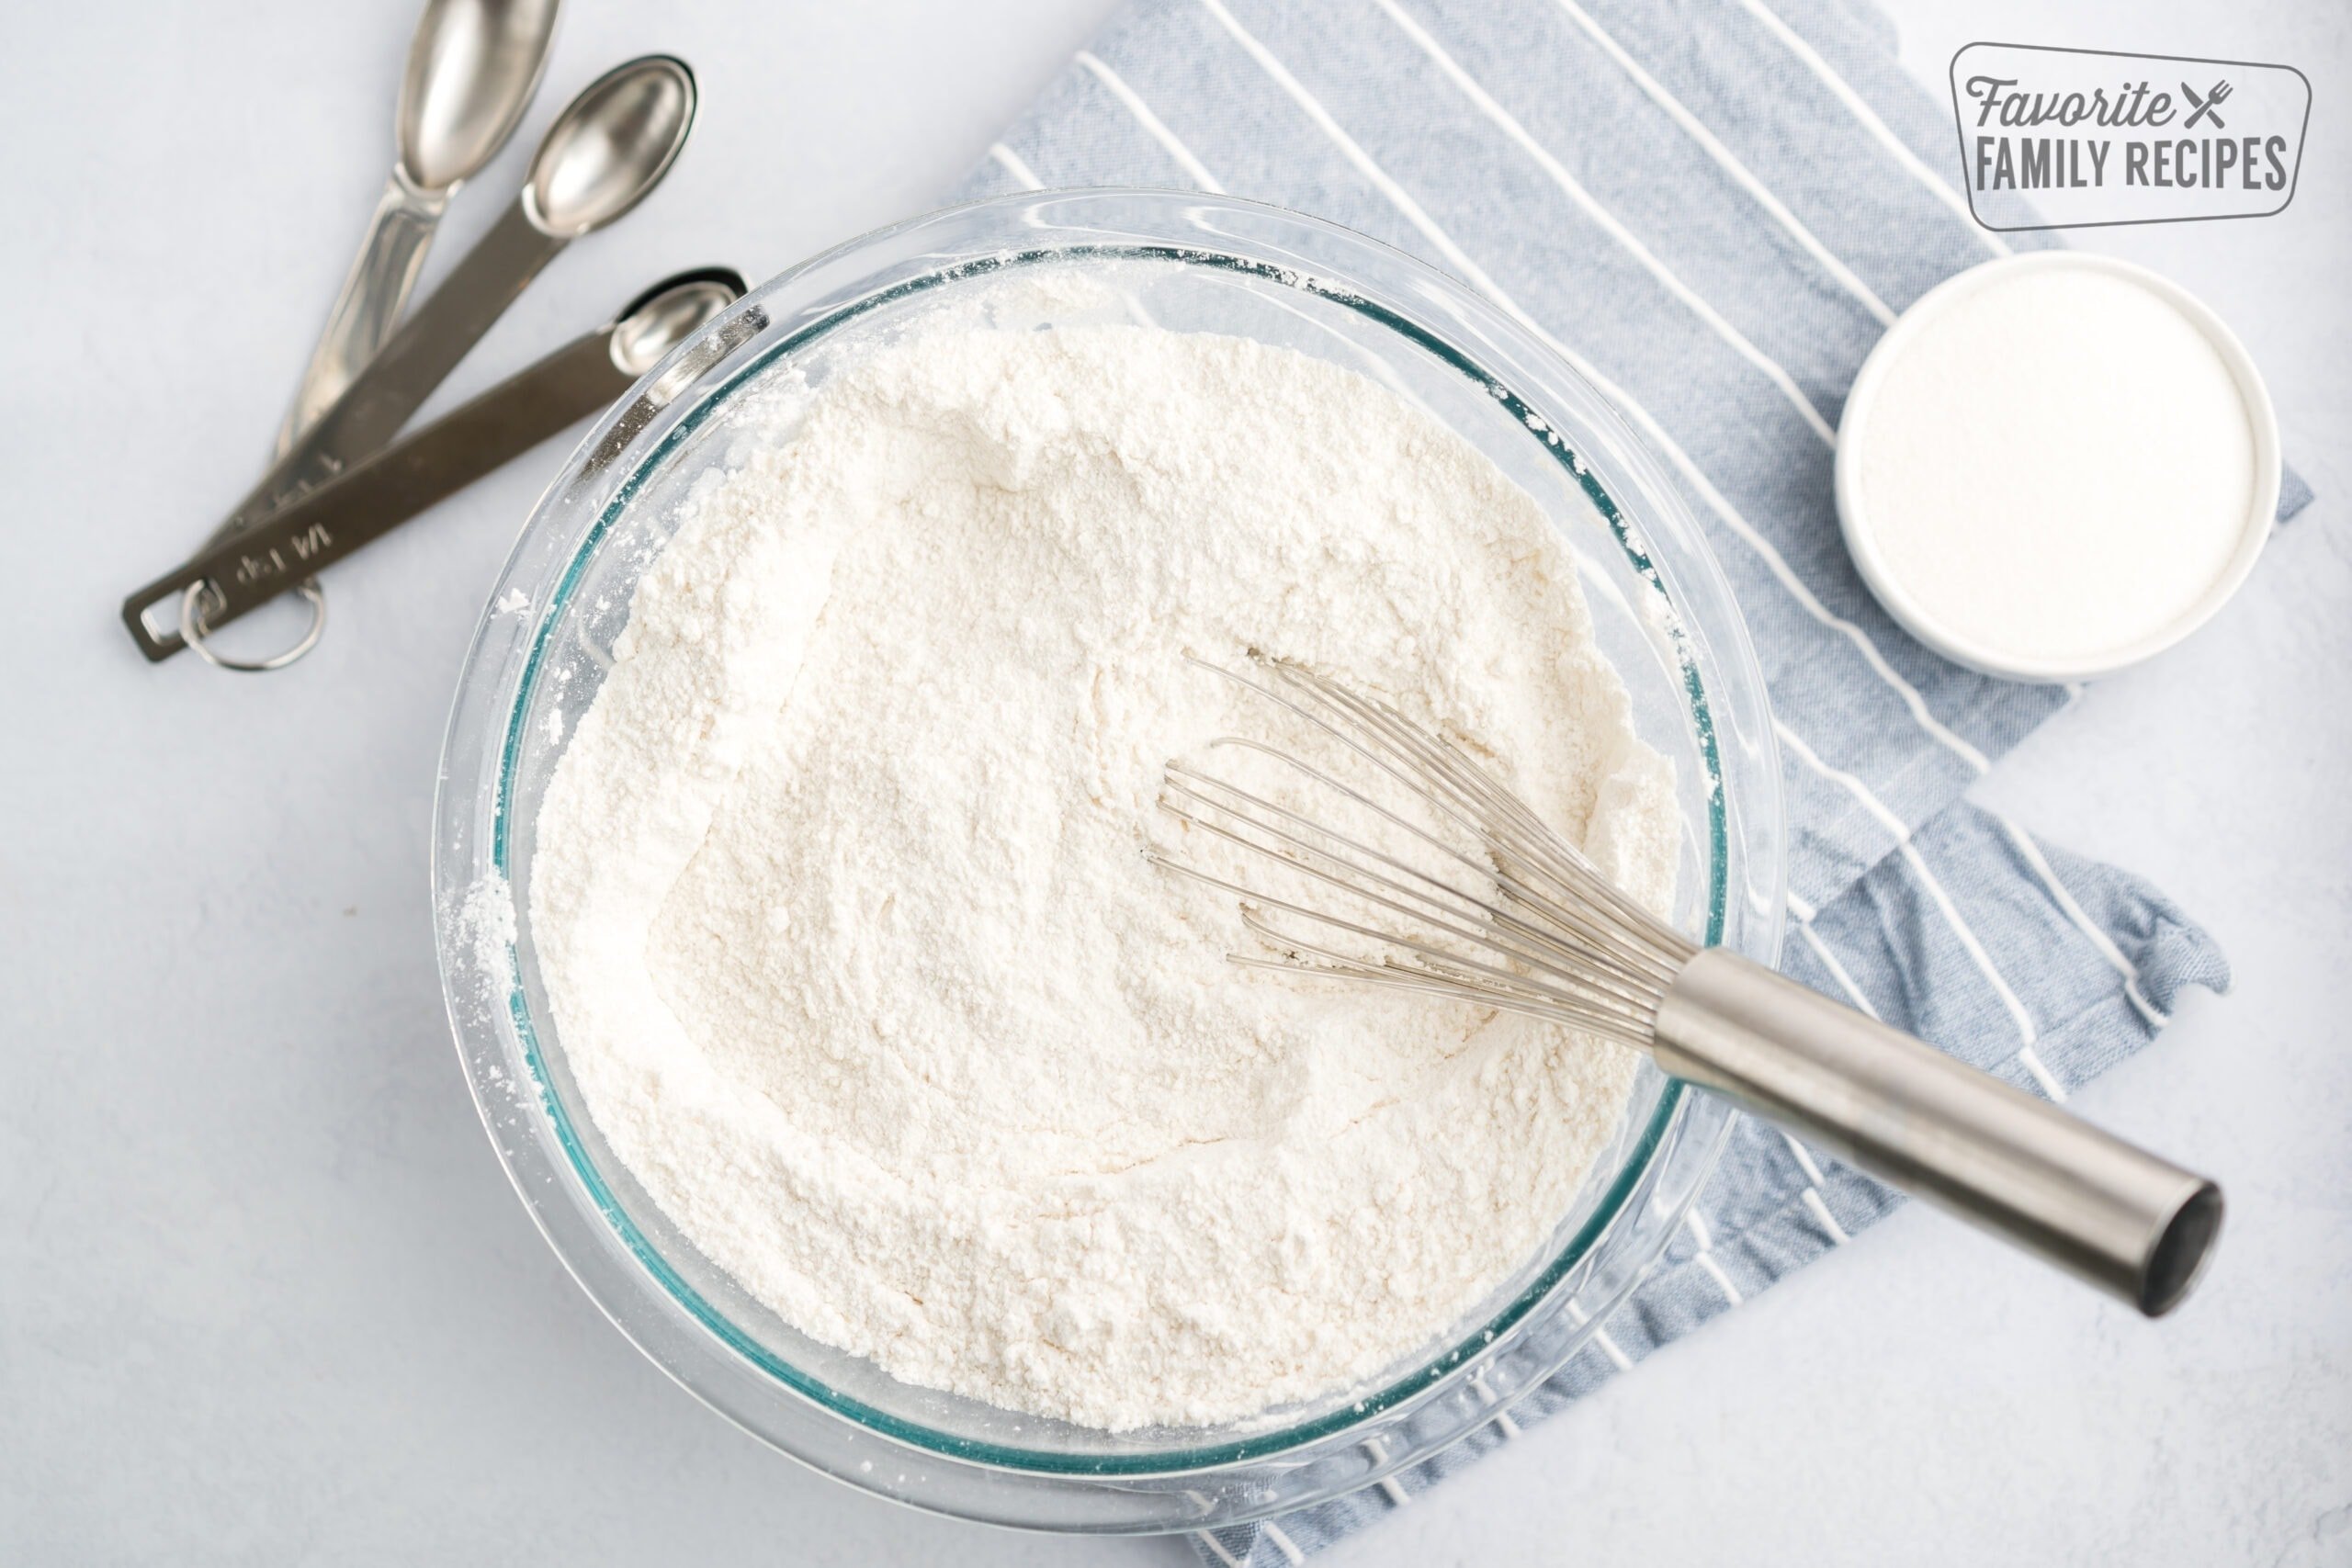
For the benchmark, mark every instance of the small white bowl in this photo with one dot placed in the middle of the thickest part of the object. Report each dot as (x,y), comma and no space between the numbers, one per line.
(1853,441)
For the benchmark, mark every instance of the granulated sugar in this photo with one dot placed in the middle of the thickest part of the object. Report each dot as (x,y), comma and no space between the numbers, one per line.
(841,899)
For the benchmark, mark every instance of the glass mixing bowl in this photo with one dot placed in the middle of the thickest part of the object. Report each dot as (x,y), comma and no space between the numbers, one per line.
(1190,263)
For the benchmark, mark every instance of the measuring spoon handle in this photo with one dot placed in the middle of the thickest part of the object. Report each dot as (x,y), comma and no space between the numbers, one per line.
(236,574)
(413,362)
(373,296)
(324,526)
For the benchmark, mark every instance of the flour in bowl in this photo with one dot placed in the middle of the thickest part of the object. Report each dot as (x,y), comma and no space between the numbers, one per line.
(842,905)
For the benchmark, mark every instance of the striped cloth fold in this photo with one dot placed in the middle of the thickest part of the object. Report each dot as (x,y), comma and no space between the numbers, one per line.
(1712,209)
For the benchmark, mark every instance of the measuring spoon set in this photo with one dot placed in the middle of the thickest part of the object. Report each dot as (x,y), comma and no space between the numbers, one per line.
(340,478)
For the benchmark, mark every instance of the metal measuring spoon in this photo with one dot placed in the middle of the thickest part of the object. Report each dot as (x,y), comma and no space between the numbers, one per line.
(472,68)
(604,153)
(234,576)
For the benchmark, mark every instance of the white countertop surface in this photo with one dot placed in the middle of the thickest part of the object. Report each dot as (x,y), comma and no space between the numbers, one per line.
(264,1294)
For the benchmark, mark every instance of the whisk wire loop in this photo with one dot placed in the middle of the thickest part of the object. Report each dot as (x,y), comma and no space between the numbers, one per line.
(1535,927)
(1498,816)
(1472,800)
(1551,946)
(1474,921)
(1626,1023)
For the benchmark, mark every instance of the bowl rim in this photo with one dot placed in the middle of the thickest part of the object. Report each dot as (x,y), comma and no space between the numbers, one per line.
(1853,437)
(461,787)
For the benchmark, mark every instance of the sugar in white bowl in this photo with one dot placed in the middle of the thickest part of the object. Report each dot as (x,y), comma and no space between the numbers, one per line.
(2056,465)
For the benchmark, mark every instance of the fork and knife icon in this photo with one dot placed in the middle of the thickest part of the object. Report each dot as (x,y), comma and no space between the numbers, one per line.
(2206,108)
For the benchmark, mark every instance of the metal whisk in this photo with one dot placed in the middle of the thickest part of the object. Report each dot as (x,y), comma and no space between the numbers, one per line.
(1465,893)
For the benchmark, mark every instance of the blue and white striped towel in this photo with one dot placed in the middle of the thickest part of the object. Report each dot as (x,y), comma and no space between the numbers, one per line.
(1715,206)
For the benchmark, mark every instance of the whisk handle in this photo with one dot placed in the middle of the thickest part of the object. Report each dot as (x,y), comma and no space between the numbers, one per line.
(2132,1223)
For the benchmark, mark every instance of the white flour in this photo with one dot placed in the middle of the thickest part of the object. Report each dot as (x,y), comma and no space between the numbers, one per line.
(843,908)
